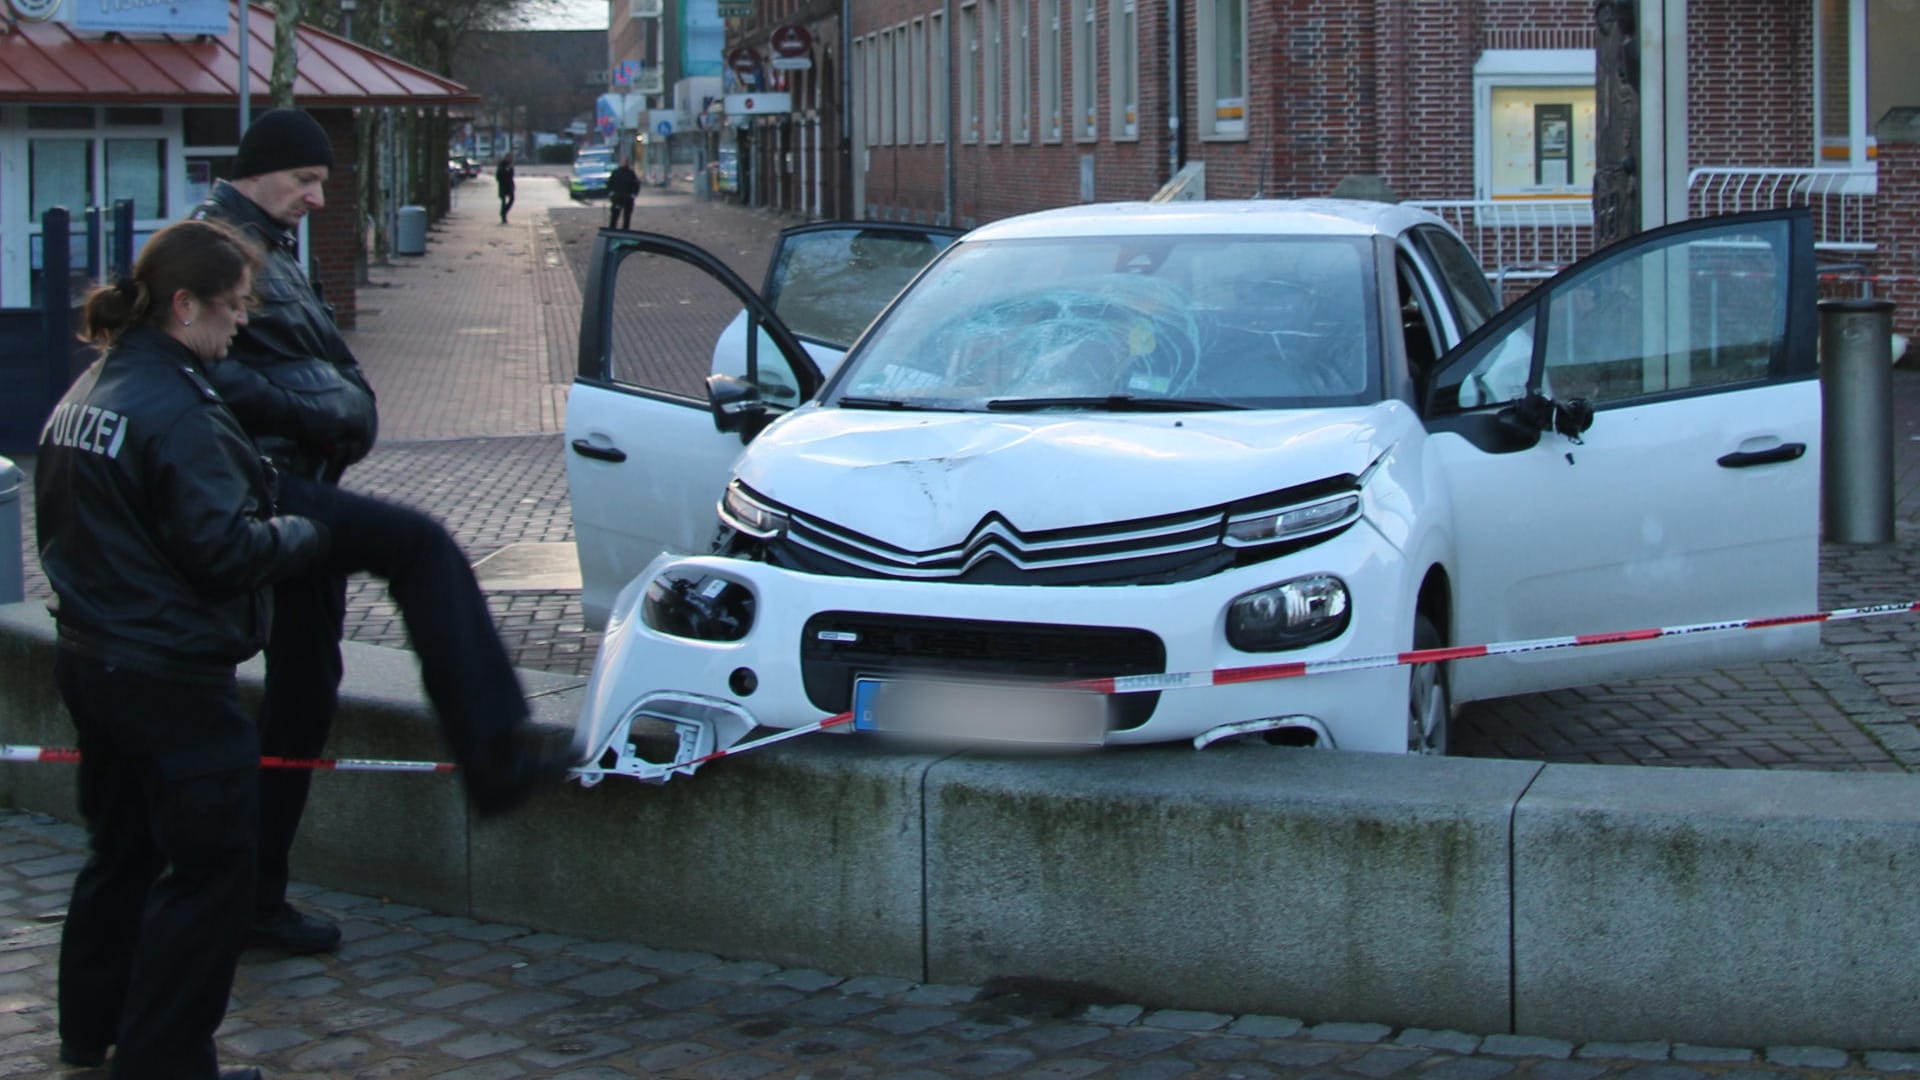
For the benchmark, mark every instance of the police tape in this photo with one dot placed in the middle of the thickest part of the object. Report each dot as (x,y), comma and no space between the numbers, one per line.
(1121,684)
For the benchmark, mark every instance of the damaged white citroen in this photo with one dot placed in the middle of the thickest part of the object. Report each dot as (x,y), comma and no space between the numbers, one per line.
(1165,439)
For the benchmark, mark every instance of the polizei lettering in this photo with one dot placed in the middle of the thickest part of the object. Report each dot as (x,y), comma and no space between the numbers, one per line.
(78,426)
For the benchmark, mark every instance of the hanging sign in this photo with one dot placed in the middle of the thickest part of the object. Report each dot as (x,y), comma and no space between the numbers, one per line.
(146,16)
(792,48)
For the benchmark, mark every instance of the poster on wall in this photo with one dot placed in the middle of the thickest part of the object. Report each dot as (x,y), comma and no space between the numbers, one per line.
(727,176)
(1543,140)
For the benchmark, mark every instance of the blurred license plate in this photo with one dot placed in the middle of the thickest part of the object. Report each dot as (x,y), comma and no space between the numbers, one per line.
(980,712)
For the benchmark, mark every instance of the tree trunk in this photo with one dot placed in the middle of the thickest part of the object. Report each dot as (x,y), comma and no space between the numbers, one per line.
(286,60)
(1616,173)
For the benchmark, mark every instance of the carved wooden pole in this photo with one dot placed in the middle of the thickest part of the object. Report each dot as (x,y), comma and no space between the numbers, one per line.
(1616,173)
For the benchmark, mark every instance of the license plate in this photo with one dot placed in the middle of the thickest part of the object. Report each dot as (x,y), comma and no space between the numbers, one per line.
(980,712)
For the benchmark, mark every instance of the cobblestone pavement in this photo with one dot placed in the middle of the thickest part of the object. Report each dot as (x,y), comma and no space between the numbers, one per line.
(411,993)
(471,348)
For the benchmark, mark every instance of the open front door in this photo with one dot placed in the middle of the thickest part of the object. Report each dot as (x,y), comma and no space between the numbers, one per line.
(646,459)
(1694,494)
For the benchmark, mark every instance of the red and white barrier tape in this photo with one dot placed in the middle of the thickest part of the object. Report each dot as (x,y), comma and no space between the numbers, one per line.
(1127,684)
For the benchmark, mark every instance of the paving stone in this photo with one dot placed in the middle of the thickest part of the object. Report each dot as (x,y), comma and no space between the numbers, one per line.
(672,960)
(1384,1061)
(1710,1054)
(1298,1055)
(406,984)
(1526,1046)
(1883,1061)
(573,1049)
(1566,1070)
(1112,1015)
(482,1044)
(1803,1057)
(1638,1051)
(805,980)
(1454,1042)
(908,1021)
(1349,1033)
(333,1055)
(453,996)
(672,1056)
(507,1009)
(1256,1026)
(1468,1069)
(1186,1020)
(1662,1072)
(875,986)
(735,1067)
(262,1041)
(418,1031)
(609,983)
(757,1001)
(937,995)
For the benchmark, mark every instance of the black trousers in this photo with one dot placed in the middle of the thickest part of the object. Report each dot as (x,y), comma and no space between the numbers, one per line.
(158,913)
(506,204)
(466,671)
(620,214)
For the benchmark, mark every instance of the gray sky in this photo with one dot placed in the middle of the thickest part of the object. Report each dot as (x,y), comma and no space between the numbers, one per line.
(573,15)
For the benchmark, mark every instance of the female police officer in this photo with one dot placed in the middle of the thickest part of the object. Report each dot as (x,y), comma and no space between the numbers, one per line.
(158,533)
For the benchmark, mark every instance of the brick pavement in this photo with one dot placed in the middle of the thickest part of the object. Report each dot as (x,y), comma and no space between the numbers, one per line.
(471,348)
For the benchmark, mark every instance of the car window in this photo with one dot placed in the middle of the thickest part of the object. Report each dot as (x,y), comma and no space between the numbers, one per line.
(1241,321)
(665,317)
(1706,309)
(1473,299)
(828,285)
(1690,315)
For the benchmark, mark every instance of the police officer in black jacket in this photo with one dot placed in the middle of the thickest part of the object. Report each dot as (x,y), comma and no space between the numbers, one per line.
(298,390)
(159,535)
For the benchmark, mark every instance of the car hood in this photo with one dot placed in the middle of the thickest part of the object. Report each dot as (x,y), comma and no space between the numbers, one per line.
(924,480)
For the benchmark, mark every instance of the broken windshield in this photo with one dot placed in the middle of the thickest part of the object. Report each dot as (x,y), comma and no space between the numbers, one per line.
(1234,321)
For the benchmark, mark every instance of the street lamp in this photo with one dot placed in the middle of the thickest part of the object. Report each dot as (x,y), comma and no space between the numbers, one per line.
(346,18)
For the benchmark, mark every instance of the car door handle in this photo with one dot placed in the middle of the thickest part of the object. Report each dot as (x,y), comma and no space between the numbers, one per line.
(1741,459)
(601,453)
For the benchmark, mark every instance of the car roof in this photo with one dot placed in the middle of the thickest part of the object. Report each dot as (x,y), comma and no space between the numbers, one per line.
(1284,217)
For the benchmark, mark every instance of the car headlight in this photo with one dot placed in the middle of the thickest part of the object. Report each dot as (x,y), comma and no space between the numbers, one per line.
(749,515)
(1289,615)
(1293,522)
(698,605)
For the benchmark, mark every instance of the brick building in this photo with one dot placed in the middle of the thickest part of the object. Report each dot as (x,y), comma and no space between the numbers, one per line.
(1484,108)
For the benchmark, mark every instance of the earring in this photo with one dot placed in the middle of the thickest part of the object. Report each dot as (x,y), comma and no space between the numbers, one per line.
(186,322)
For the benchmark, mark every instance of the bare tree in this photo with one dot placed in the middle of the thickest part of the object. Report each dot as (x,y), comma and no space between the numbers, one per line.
(286,60)
(1616,172)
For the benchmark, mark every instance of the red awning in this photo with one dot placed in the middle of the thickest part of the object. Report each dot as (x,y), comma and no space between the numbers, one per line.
(47,62)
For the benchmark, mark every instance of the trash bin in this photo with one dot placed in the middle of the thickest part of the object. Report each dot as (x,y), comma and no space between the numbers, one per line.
(410,231)
(1856,383)
(12,577)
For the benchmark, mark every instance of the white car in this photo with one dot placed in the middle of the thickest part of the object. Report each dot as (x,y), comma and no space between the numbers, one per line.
(1169,439)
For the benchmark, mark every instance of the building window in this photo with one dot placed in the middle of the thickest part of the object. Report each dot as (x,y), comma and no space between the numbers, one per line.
(888,102)
(917,99)
(993,42)
(60,173)
(1086,113)
(1222,31)
(1123,66)
(52,117)
(969,73)
(1534,123)
(870,79)
(1050,71)
(937,63)
(1020,80)
(903,86)
(136,169)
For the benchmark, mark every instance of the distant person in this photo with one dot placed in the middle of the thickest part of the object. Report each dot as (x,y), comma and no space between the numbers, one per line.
(503,180)
(623,186)
(298,390)
(161,538)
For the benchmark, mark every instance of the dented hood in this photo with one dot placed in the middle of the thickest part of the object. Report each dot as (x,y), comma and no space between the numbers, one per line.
(924,480)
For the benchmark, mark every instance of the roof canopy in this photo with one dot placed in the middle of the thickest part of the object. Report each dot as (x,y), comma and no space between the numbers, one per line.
(49,61)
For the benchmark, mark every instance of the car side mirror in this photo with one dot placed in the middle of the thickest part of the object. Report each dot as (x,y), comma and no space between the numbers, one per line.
(736,405)
(1530,417)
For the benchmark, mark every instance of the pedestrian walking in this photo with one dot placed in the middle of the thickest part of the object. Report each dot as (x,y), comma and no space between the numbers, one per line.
(159,536)
(299,392)
(503,180)
(623,186)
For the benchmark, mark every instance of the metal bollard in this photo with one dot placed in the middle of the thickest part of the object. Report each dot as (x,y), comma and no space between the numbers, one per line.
(1856,413)
(13,586)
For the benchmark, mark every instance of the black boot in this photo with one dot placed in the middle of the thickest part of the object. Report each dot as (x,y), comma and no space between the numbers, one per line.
(519,762)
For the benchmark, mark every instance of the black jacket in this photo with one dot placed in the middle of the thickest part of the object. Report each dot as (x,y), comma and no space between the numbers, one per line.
(623,184)
(296,388)
(503,178)
(155,517)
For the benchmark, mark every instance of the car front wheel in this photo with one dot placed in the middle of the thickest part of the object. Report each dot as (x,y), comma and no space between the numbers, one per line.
(1429,707)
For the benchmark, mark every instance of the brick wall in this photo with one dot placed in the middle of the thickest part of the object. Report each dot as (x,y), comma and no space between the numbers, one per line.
(1897,227)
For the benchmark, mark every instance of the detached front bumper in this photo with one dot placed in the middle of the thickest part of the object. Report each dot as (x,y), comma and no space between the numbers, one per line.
(701,696)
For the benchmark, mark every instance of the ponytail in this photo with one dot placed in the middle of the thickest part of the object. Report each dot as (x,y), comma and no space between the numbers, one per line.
(206,258)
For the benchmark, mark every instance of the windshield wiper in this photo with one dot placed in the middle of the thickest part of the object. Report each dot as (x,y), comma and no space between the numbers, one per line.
(895,404)
(1111,403)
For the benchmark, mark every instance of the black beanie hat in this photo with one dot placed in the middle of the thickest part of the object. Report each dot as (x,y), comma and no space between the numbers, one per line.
(282,139)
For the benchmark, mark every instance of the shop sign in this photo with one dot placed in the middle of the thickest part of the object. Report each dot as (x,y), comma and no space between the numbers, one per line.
(757,104)
(144,16)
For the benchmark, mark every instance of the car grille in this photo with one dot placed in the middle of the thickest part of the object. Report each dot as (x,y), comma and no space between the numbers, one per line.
(839,646)
(1182,546)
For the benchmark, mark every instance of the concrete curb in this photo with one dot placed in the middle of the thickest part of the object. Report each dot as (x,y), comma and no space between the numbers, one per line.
(1563,901)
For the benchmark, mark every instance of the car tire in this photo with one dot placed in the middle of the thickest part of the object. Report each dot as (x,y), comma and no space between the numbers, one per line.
(1429,705)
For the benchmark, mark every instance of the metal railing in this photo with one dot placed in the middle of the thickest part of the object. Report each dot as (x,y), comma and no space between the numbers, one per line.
(1841,200)
(1518,240)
